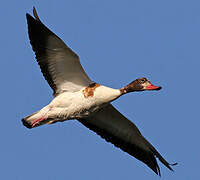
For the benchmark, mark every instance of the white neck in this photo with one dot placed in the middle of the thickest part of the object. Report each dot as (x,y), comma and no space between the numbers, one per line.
(105,94)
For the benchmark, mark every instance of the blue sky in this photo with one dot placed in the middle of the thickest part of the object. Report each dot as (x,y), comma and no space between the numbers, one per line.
(117,41)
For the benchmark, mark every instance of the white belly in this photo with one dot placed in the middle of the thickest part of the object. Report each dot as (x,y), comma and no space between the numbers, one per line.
(77,105)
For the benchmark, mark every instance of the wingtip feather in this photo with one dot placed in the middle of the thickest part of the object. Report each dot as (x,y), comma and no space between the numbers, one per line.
(35,14)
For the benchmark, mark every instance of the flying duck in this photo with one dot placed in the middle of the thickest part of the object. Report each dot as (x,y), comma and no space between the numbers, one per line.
(76,96)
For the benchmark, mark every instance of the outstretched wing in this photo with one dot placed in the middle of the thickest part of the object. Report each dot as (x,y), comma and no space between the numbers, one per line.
(59,64)
(111,125)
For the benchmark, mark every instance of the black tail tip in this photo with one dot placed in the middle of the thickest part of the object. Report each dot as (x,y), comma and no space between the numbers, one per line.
(27,124)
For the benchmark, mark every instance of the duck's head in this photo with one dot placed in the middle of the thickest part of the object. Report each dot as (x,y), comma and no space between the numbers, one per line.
(140,84)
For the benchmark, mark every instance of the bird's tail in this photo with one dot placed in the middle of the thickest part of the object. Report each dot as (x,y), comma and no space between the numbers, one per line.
(36,119)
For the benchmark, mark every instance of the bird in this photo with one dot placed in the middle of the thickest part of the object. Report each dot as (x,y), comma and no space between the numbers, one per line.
(77,97)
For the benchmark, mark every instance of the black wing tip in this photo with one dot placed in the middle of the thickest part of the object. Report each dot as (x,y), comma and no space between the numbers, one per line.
(157,169)
(34,9)
(26,124)
(30,19)
(35,14)
(28,16)
(169,166)
(173,164)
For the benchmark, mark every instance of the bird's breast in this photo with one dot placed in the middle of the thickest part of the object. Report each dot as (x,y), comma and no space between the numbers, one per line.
(84,102)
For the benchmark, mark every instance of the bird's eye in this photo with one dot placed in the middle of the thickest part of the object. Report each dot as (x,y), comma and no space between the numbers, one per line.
(142,80)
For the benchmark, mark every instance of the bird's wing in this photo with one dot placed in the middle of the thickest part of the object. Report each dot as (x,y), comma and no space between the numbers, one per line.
(59,64)
(111,125)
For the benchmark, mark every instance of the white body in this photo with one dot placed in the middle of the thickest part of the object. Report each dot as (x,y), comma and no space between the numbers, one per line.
(74,105)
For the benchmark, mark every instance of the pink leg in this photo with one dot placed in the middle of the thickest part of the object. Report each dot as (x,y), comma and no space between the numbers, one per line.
(37,121)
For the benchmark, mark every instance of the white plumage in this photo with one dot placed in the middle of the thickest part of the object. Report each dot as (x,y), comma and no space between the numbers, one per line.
(78,97)
(72,105)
